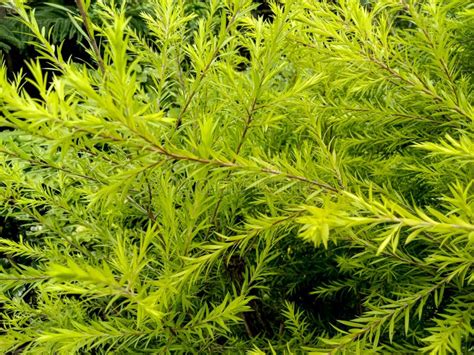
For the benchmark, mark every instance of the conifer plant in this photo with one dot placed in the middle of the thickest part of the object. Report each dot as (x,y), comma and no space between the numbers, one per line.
(226,183)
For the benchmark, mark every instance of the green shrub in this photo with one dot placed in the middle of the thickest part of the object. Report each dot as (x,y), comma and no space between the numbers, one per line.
(228,184)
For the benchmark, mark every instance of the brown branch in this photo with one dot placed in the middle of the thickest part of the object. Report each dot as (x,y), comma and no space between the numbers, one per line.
(88,28)
(224,164)
(424,86)
(203,73)
(248,121)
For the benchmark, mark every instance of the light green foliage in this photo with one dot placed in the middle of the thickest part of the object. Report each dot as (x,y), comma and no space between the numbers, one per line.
(166,202)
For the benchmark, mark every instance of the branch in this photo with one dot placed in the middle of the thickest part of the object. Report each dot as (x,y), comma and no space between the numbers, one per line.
(88,27)
(224,164)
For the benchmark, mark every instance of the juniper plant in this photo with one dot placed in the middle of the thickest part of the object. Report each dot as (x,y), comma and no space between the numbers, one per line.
(225,183)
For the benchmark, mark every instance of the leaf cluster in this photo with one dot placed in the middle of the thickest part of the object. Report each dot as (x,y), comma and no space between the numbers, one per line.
(223,183)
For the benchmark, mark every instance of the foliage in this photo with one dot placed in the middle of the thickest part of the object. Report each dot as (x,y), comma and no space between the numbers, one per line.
(52,15)
(227,183)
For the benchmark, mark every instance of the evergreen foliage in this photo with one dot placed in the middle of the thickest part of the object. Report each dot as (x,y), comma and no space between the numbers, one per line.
(223,183)
(53,16)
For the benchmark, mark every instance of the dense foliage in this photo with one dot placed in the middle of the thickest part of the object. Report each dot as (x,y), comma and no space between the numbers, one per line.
(220,182)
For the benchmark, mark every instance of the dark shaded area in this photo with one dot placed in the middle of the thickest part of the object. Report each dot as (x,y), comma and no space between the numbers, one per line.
(263,10)
(315,268)
(312,268)
(9,228)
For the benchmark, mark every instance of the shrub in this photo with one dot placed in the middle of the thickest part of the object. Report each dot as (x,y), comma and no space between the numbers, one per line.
(228,183)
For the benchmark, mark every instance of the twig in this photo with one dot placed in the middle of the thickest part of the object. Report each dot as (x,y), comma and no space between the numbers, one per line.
(92,41)
(227,164)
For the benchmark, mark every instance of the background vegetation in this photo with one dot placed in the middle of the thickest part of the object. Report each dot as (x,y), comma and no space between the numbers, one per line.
(227,177)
